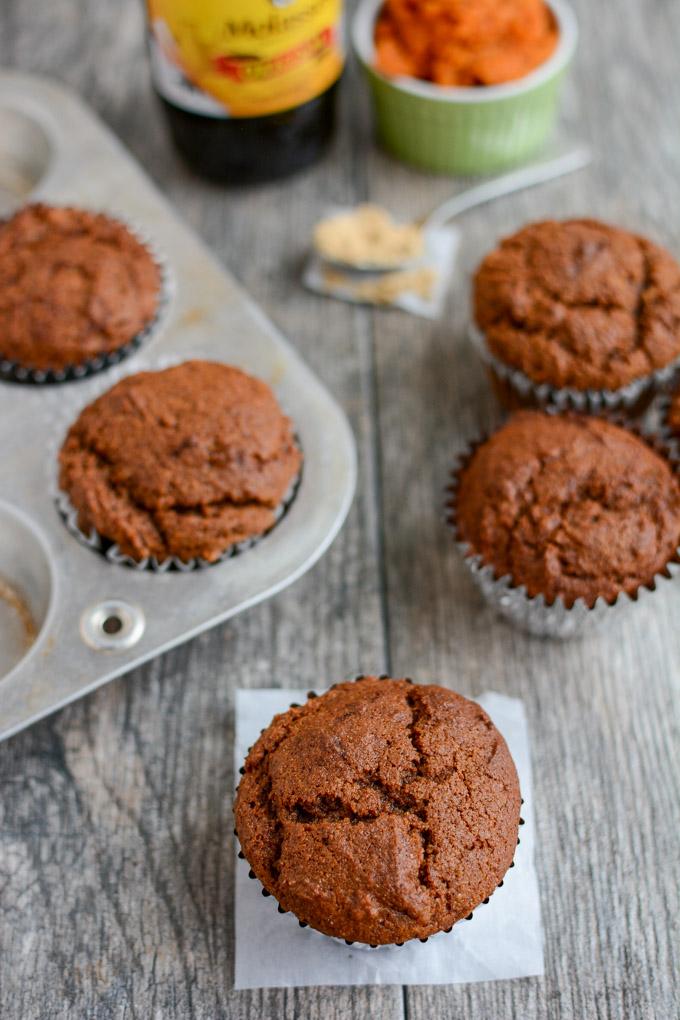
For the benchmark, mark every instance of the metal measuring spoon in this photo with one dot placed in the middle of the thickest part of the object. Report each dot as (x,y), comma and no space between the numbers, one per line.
(526,177)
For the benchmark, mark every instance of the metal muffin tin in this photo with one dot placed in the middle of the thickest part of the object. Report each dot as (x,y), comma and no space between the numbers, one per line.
(95,619)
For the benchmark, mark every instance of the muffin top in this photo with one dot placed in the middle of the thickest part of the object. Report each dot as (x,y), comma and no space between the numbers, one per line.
(580,304)
(73,285)
(185,462)
(572,507)
(381,811)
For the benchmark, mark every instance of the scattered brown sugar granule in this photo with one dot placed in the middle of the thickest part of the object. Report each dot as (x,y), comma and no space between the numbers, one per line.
(571,507)
(580,304)
(185,462)
(381,811)
(73,285)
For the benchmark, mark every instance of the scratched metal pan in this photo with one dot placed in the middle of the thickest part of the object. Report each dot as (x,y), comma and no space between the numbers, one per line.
(69,619)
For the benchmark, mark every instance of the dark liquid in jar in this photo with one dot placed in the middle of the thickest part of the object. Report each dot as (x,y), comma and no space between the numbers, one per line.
(248,150)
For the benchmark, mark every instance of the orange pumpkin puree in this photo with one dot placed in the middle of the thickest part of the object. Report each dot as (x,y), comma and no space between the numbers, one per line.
(464,42)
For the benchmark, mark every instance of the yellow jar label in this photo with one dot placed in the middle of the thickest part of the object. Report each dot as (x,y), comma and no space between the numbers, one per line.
(244,58)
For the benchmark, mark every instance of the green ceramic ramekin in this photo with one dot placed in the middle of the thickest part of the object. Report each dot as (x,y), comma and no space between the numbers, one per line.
(465,130)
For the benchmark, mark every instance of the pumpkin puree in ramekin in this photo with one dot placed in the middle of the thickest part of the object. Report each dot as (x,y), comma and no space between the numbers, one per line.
(455,42)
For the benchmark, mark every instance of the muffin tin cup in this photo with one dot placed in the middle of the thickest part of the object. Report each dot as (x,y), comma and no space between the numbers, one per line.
(104,546)
(534,614)
(16,372)
(364,946)
(86,633)
(514,389)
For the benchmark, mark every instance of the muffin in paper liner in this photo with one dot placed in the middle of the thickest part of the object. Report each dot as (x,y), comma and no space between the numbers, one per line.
(362,946)
(112,553)
(534,614)
(104,546)
(16,372)
(515,389)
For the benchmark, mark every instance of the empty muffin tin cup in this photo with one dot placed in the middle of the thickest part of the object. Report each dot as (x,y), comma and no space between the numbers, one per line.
(26,587)
(515,390)
(16,372)
(25,157)
(534,614)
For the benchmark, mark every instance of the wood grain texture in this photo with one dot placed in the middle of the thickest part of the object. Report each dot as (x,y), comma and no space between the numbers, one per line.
(116,852)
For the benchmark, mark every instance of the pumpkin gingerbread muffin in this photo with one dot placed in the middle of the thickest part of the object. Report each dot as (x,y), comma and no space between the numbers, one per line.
(381,811)
(185,462)
(570,507)
(580,304)
(75,286)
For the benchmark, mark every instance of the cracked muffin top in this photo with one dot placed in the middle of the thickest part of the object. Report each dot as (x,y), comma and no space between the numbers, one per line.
(381,811)
(580,304)
(185,462)
(73,285)
(572,507)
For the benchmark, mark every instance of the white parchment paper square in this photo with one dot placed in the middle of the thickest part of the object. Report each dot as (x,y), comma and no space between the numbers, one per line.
(504,939)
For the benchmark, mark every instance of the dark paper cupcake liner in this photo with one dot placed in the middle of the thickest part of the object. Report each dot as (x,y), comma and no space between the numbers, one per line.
(111,552)
(667,435)
(350,943)
(535,614)
(632,399)
(15,372)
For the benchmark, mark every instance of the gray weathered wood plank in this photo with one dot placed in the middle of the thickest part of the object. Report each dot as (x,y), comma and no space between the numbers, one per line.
(116,851)
(603,712)
(116,857)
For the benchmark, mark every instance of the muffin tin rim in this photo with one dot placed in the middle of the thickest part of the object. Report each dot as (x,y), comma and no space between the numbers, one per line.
(230,327)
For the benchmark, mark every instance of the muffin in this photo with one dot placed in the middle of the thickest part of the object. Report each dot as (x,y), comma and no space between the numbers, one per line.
(571,508)
(75,287)
(184,463)
(381,811)
(579,307)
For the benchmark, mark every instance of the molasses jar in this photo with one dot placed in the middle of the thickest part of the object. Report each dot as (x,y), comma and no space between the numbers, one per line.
(248,86)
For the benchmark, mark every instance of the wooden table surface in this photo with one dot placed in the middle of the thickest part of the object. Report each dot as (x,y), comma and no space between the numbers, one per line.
(116,846)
